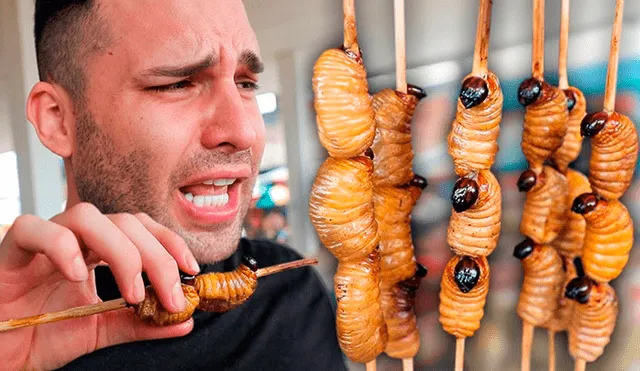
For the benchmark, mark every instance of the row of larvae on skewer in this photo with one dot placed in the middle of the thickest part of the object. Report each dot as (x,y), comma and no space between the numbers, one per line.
(361,201)
(474,225)
(567,215)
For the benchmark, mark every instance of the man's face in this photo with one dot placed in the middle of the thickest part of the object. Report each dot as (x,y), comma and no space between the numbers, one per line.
(170,125)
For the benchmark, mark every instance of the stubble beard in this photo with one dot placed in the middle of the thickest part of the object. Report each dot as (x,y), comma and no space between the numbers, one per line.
(122,183)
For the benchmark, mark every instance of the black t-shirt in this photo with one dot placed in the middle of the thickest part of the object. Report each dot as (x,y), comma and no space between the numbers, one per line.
(287,324)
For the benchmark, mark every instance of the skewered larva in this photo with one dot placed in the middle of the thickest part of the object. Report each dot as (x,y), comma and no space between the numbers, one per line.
(392,206)
(608,238)
(398,303)
(221,292)
(151,311)
(545,121)
(572,143)
(562,317)
(544,215)
(473,139)
(341,207)
(463,293)
(474,226)
(345,116)
(594,318)
(571,238)
(542,284)
(614,152)
(393,153)
(362,333)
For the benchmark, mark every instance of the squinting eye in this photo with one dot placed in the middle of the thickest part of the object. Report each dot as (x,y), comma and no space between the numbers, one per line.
(248,85)
(175,86)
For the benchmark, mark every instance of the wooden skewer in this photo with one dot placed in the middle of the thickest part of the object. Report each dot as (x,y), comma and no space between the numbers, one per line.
(552,351)
(581,365)
(527,342)
(563,79)
(483,31)
(285,266)
(401,63)
(350,29)
(459,354)
(91,309)
(407,364)
(371,365)
(537,53)
(612,71)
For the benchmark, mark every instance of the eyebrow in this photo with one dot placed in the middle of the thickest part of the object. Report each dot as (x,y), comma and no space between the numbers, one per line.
(252,61)
(182,71)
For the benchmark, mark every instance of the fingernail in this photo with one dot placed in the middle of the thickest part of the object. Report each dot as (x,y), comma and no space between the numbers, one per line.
(80,269)
(193,264)
(178,297)
(138,288)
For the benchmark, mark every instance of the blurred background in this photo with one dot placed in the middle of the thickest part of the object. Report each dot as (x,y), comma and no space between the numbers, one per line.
(440,38)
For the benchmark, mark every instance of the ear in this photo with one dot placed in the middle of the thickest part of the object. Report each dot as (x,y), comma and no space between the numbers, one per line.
(50,111)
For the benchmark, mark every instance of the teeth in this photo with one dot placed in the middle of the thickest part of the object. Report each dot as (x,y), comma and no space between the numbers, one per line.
(219,182)
(208,200)
(223,182)
(198,201)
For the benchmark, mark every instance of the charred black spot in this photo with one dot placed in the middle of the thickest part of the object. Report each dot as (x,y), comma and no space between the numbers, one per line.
(529,90)
(527,180)
(571,98)
(369,153)
(466,274)
(524,248)
(421,271)
(187,279)
(419,181)
(473,92)
(592,123)
(465,194)
(250,262)
(579,289)
(416,91)
(584,203)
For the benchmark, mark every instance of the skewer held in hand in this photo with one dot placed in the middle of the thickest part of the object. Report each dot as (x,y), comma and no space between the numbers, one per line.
(581,365)
(107,306)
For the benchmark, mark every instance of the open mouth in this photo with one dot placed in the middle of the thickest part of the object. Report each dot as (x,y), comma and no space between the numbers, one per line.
(209,193)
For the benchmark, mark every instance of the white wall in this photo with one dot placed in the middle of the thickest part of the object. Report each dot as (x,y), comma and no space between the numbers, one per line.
(437,30)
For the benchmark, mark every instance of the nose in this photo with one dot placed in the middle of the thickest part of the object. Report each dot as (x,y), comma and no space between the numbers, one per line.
(228,124)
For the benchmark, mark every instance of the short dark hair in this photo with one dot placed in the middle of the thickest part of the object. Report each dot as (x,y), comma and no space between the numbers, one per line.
(66,33)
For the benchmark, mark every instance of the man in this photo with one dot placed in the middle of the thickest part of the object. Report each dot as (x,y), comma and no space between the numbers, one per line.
(151,103)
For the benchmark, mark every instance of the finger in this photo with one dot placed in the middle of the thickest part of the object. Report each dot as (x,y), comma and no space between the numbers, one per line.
(161,268)
(124,327)
(30,235)
(173,243)
(102,237)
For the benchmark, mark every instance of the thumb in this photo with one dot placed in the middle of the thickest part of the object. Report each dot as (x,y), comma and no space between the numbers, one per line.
(122,326)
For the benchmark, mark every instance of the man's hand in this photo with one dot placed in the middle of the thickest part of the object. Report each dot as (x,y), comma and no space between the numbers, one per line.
(47,266)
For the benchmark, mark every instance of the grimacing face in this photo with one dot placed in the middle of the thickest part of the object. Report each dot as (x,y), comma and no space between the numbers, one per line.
(170,124)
